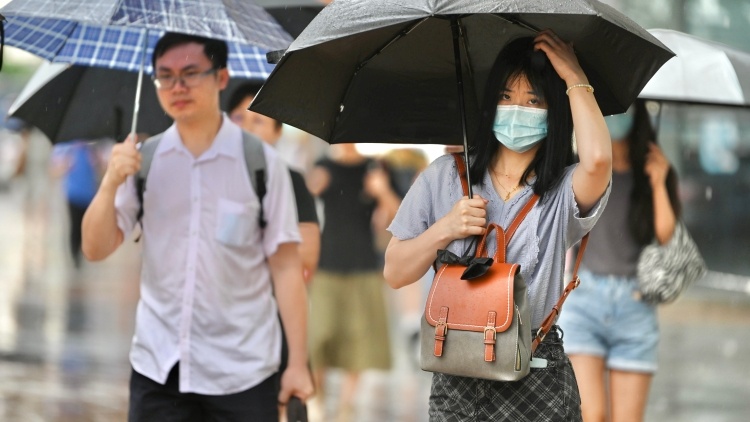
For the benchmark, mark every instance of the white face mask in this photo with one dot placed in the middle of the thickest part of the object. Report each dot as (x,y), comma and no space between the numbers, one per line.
(520,128)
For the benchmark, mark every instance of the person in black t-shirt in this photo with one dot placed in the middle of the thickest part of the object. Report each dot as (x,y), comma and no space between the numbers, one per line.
(269,130)
(349,328)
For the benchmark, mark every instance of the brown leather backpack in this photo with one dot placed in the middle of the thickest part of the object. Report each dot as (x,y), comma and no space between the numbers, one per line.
(481,327)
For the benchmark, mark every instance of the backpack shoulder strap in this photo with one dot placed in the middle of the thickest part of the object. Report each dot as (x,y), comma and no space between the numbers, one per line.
(147,150)
(550,320)
(461,165)
(255,160)
(519,218)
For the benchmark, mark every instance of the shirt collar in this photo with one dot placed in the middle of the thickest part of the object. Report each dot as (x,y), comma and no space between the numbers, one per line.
(225,143)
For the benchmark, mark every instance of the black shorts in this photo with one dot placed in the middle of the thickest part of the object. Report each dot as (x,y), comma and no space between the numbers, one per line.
(151,401)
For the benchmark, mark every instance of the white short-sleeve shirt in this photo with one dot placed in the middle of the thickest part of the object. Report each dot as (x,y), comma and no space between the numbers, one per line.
(206,292)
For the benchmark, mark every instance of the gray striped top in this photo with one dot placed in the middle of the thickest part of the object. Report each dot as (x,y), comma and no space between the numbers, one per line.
(540,243)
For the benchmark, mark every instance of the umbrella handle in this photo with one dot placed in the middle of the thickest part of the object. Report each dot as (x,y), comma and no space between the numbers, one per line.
(137,105)
(457,34)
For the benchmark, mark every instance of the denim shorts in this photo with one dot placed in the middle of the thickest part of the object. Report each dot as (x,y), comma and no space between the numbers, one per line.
(605,317)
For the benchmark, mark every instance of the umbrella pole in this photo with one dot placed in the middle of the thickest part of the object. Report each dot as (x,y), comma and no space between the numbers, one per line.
(137,105)
(455,27)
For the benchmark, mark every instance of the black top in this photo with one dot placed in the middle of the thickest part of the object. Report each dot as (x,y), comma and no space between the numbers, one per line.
(306,212)
(347,241)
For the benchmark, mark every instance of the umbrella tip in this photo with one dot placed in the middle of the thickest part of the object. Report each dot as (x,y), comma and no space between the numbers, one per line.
(273,57)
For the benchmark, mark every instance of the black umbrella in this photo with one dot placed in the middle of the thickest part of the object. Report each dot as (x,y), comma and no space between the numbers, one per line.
(292,15)
(387,72)
(79,102)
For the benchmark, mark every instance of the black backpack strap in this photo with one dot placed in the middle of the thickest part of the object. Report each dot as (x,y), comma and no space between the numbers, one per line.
(147,150)
(255,160)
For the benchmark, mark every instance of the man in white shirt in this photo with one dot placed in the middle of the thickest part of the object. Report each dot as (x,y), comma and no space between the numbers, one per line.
(207,340)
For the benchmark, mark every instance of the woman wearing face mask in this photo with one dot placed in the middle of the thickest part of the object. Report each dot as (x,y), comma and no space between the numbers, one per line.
(537,96)
(611,335)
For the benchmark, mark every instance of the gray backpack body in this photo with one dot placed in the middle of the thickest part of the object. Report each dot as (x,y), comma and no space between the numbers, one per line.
(255,160)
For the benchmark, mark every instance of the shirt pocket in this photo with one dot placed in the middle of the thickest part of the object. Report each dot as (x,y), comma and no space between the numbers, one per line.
(236,222)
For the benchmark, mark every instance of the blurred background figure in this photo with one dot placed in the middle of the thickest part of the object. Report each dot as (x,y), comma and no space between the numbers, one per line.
(403,166)
(269,130)
(13,138)
(349,324)
(79,164)
(611,335)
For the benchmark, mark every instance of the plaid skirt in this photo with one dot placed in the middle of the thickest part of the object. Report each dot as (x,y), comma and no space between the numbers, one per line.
(545,395)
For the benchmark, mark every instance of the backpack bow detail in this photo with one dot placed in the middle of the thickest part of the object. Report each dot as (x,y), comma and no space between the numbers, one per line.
(476,266)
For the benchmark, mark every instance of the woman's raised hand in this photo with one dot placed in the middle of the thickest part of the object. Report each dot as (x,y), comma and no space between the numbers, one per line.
(562,56)
(656,167)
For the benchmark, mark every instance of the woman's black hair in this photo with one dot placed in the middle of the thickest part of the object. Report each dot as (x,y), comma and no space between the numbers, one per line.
(641,213)
(518,59)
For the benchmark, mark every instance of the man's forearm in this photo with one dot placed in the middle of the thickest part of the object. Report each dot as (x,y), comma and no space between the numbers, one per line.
(100,233)
(291,296)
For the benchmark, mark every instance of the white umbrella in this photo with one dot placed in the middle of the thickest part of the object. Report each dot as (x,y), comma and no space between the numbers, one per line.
(703,72)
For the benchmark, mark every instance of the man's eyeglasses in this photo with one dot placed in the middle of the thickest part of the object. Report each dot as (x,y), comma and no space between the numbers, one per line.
(189,79)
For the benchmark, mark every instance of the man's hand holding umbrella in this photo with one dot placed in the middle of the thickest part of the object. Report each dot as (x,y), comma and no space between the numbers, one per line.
(124,161)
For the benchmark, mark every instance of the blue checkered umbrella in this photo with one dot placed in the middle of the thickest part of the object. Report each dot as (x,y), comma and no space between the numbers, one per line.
(110,33)
(113,33)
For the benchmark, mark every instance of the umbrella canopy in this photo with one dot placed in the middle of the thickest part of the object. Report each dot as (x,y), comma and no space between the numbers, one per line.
(703,72)
(120,34)
(289,3)
(294,19)
(110,33)
(293,15)
(80,102)
(385,71)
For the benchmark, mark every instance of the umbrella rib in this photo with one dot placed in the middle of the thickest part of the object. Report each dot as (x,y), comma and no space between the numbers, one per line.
(518,22)
(62,45)
(465,42)
(363,63)
(389,43)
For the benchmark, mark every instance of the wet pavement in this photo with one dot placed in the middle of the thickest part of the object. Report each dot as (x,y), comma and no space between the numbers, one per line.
(65,334)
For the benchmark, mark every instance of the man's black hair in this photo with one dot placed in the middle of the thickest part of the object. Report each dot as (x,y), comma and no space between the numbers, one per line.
(216,50)
(248,89)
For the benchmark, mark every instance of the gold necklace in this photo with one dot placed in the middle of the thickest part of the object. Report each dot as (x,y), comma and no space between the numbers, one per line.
(509,192)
